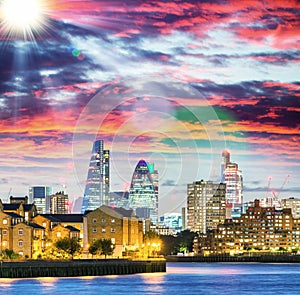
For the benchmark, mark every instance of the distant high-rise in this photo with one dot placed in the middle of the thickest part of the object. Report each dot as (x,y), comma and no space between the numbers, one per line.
(59,203)
(40,196)
(206,207)
(96,191)
(225,161)
(143,193)
(232,177)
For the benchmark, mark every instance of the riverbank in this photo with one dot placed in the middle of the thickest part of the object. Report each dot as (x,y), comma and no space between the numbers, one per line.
(74,268)
(282,258)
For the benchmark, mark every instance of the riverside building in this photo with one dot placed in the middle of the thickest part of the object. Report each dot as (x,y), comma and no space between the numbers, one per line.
(206,207)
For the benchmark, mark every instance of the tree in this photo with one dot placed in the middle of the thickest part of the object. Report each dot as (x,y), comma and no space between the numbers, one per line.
(69,246)
(107,247)
(103,247)
(95,248)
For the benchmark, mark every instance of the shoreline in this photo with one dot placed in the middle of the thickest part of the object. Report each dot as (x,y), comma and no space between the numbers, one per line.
(266,258)
(77,268)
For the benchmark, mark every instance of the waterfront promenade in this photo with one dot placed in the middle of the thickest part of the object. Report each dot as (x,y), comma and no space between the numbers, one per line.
(266,258)
(74,268)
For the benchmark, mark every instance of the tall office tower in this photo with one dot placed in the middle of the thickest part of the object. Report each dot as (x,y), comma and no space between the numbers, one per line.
(205,205)
(97,183)
(225,161)
(142,196)
(234,188)
(40,196)
(59,203)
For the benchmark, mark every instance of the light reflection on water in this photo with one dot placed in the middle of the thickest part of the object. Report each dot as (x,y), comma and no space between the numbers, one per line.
(180,278)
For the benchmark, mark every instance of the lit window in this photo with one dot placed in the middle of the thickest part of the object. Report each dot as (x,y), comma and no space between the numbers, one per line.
(4,221)
(58,234)
(113,240)
(4,243)
(20,232)
(112,221)
(44,224)
(20,243)
(103,230)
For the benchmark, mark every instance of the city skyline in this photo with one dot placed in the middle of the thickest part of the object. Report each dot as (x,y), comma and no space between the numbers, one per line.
(171,83)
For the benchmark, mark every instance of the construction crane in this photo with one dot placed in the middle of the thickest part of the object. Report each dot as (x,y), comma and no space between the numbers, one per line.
(276,196)
(268,187)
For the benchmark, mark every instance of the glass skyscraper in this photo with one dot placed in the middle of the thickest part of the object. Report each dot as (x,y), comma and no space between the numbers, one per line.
(40,196)
(96,191)
(143,193)
(232,177)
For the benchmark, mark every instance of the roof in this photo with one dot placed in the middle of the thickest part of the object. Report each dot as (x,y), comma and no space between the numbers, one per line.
(28,207)
(13,215)
(64,217)
(117,212)
(35,225)
(72,228)
(13,206)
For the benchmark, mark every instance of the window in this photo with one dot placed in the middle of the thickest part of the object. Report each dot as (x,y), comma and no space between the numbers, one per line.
(4,221)
(103,230)
(112,221)
(94,220)
(44,224)
(4,232)
(94,230)
(4,243)
(20,243)
(103,220)
(58,234)
(113,240)
(112,230)
(20,232)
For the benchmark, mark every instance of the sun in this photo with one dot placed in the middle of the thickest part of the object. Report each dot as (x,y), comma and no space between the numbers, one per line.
(23,18)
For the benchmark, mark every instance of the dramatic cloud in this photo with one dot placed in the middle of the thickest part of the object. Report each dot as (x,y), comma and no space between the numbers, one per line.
(173,82)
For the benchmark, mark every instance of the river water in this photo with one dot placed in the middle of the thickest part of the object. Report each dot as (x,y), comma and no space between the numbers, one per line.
(180,278)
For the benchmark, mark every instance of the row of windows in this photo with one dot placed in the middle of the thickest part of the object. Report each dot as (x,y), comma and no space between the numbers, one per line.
(103,220)
(112,230)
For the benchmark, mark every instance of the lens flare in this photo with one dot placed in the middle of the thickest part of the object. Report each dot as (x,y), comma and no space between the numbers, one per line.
(23,18)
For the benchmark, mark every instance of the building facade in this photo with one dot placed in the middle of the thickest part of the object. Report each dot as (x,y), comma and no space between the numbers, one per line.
(143,195)
(119,225)
(59,203)
(40,196)
(96,191)
(232,177)
(206,207)
(259,229)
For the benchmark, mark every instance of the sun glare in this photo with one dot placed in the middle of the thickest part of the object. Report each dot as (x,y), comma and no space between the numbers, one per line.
(23,18)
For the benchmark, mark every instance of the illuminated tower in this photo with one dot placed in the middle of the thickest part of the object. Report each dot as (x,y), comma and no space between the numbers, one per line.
(97,183)
(143,194)
(232,177)
(225,161)
(40,196)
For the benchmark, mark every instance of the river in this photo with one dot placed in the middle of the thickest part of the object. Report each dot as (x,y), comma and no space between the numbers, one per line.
(180,278)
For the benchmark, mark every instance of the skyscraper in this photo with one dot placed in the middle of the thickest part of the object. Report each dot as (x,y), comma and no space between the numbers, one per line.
(142,194)
(225,161)
(205,205)
(40,196)
(233,179)
(59,203)
(97,183)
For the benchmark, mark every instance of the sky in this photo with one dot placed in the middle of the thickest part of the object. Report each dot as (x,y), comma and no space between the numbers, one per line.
(171,82)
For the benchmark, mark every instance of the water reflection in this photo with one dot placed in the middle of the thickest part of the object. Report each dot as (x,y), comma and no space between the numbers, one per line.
(154,282)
